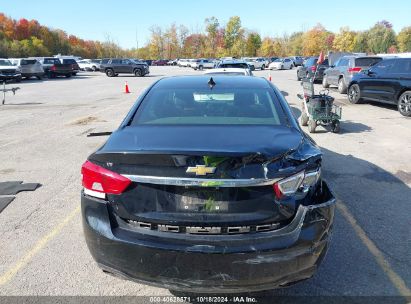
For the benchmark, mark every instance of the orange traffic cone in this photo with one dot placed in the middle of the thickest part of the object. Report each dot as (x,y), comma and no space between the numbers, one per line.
(269,77)
(126,90)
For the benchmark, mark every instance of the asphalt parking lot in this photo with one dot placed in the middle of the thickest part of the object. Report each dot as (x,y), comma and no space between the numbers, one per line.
(43,139)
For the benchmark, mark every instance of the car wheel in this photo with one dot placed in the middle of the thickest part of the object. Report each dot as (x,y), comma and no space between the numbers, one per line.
(138,73)
(354,94)
(325,82)
(304,119)
(342,87)
(291,67)
(109,72)
(263,67)
(39,77)
(312,124)
(201,68)
(404,104)
(68,75)
(335,126)
(74,74)
(94,68)
(18,79)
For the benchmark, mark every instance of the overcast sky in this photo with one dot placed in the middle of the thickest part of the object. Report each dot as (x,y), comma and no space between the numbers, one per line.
(128,21)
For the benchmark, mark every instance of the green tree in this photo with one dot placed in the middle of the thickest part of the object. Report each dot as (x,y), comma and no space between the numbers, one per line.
(404,39)
(233,32)
(360,42)
(296,43)
(253,44)
(380,38)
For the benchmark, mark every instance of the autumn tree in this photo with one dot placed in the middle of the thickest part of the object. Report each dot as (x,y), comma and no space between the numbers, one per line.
(316,40)
(344,40)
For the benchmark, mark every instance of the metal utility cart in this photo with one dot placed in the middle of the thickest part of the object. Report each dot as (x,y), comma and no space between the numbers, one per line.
(318,109)
(4,90)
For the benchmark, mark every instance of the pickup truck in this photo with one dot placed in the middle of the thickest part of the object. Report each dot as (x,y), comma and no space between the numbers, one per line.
(201,64)
(115,66)
(8,71)
(53,67)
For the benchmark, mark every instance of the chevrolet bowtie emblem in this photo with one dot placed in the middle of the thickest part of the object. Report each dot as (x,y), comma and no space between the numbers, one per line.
(201,170)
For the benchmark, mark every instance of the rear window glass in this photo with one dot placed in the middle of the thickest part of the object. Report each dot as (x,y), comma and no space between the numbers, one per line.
(28,61)
(366,62)
(244,106)
(69,61)
(51,61)
(234,65)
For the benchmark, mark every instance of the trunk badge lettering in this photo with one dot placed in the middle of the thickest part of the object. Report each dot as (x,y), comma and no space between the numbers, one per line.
(201,170)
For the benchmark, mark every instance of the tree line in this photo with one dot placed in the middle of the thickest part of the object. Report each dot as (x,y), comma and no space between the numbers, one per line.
(23,38)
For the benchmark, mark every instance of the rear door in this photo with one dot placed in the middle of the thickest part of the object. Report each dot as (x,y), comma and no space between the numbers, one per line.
(126,66)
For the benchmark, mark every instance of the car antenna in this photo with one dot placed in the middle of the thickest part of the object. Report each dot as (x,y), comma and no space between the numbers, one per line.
(211,83)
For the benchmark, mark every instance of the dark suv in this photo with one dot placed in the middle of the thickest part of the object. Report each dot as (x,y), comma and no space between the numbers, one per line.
(113,67)
(310,69)
(388,81)
(344,69)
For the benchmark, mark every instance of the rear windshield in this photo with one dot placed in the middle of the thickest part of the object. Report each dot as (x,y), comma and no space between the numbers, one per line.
(51,61)
(69,61)
(366,62)
(234,65)
(28,61)
(242,106)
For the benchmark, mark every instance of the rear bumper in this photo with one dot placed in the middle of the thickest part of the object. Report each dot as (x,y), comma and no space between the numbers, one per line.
(207,263)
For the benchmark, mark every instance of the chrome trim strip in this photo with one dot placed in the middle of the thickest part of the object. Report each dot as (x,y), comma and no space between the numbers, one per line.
(201,182)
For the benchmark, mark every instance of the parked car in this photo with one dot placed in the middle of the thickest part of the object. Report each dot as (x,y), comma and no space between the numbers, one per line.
(241,64)
(281,64)
(115,66)
(201,64)
(53,67)
(229,72)
(256,63)
(388,81)
(86,65)
(89,64)
(344,69)
(297,60)
(310,69)
(208,185)
(75,68)
(172,62)
(8,71)
(182,62)
(160,62)
(28,67)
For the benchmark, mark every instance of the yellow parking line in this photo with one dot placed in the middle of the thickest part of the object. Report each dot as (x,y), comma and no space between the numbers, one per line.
(396,280)
(22,262)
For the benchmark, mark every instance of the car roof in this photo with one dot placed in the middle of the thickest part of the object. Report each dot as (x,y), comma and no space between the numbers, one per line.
(232,61)
(201,81)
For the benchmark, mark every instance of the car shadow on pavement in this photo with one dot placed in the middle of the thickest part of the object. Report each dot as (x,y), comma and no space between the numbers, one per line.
(380,203)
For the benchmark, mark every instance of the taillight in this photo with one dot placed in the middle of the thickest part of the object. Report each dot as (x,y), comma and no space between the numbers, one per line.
(290,185)
(354,70)
(313,68)
(98,181)
(53,68)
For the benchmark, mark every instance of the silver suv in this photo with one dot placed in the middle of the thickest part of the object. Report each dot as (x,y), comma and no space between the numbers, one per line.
(344,69)
(28,67)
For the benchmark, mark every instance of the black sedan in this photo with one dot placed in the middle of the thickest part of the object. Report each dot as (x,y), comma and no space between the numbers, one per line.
(208,185)
(388,81)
